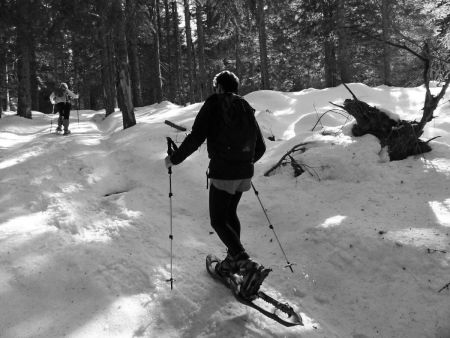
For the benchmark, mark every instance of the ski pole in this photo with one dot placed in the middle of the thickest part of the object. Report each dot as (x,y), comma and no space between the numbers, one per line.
(171,146)
(289,264)
(51,119)
(78,113)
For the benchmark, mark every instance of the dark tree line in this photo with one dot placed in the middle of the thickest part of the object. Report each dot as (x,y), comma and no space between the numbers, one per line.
(130,53)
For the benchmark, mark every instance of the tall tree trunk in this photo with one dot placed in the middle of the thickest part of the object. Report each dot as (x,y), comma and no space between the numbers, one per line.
(330,63)
(170,63)
(8,106)
(3,68)
(178,63)
(260,18)
(160,40)
(386,21)
(123,80)
(201,51)
(187,20)
(79,72)
(195,78)
(344,59)
(237,48)
(34,86)
(431,101)
(3,74)
(133,55)
(24,59)
(157,64)
(108,68)
(329,47)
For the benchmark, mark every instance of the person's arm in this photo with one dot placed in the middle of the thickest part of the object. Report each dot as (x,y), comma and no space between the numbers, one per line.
(196,137)
(72,94)
(260,147)
(52,98)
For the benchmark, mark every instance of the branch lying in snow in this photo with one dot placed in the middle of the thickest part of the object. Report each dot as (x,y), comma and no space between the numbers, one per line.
(354,96)
(446,286)
(347,116)
(431,139)
(298,168)
(173,125)
(299,147)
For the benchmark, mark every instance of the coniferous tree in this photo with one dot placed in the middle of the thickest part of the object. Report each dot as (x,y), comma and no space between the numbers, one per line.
(307,44)
(343,45)
(189,49)
(4,68)
(108,68)
(24,54)
(178,63)
(123,77)
(203,89)
(156,50)
(133,55)
(386,28)
(260,18)
(171,86)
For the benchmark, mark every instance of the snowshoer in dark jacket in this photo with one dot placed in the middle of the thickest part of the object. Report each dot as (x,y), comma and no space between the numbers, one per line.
(234,144)
(61,99)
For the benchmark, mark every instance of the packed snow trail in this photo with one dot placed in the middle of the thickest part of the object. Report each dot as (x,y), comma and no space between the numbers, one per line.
(84,227)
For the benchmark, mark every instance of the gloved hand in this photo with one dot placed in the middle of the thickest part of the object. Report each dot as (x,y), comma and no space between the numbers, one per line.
(168,162)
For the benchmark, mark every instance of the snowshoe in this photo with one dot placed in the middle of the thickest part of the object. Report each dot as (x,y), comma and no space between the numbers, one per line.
(245,289)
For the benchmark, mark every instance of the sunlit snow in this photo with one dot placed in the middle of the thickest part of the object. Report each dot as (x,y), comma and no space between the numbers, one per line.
(84,225)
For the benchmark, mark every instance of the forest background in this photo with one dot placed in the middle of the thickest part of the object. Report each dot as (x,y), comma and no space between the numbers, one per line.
(131,53)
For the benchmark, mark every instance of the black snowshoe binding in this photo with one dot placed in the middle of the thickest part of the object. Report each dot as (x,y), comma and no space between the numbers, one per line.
(252,279)
(249,273)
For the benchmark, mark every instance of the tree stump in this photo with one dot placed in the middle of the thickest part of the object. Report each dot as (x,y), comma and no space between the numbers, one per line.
(401,137)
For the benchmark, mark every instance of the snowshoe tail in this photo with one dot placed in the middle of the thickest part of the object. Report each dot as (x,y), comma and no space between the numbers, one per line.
(282,313)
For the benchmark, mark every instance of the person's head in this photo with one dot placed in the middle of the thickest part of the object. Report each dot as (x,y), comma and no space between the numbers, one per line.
(226,81)
(64,85)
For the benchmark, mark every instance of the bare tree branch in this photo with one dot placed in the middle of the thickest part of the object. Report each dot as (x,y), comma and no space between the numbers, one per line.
(299,147)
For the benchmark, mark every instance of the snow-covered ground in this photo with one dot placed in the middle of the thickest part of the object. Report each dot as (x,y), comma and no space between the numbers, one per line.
(84,226)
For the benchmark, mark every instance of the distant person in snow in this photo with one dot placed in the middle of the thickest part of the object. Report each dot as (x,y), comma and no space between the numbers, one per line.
(234,144)
(61,98)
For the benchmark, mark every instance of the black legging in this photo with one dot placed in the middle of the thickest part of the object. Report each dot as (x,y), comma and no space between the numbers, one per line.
(63,108)
(224,219)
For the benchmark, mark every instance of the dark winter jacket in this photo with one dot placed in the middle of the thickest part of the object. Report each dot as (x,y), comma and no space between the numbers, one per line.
(206,126)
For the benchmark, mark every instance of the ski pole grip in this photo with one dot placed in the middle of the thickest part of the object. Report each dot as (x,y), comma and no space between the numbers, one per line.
(171,146)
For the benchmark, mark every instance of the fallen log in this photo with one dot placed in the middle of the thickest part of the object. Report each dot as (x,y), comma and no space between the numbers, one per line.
(401,137)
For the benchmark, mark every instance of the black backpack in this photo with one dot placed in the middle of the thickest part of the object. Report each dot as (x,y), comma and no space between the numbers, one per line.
(60,92)
(236,133)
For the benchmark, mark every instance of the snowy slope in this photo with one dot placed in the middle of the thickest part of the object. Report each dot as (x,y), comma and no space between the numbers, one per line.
(84,226)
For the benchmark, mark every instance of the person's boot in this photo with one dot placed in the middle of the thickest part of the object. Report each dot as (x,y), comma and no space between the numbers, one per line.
(66,127)
(252,279)
(226,267)
(253,275)
(231,264)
